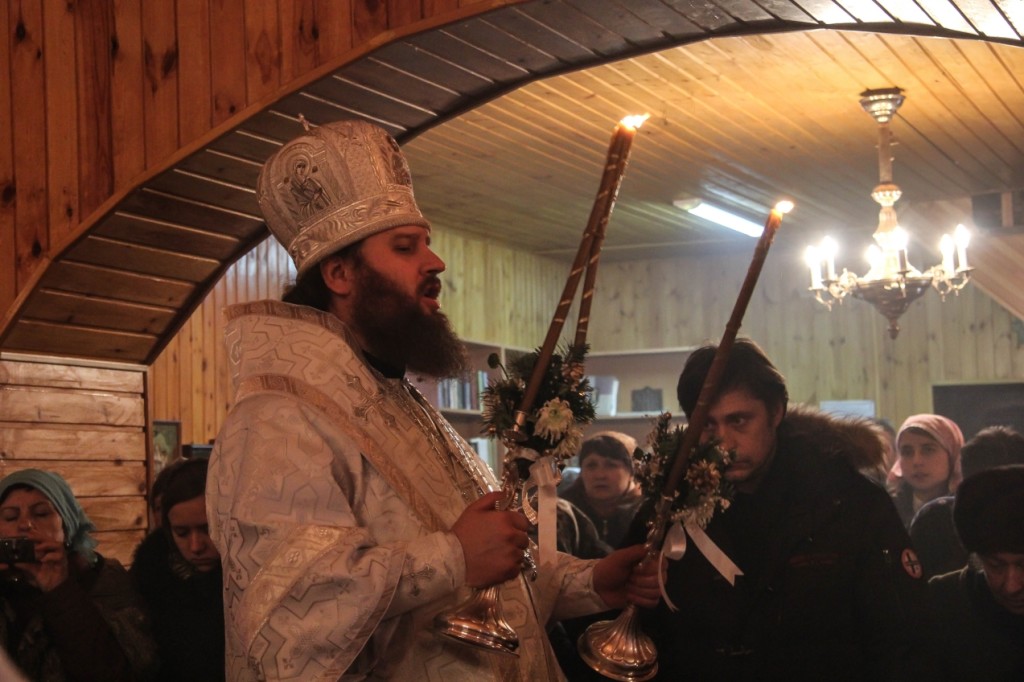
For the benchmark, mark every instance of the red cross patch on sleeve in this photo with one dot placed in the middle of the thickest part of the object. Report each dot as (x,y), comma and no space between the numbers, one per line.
(910,563)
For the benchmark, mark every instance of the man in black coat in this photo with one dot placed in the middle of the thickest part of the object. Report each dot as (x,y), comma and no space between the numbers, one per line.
(981,607)
(830,587)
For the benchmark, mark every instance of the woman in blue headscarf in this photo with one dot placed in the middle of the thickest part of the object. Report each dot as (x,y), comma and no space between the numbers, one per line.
(66,613)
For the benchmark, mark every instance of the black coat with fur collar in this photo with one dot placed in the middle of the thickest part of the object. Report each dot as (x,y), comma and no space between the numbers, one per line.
(830,588)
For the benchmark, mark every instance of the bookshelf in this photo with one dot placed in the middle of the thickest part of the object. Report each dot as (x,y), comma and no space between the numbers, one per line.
(652,374)
(459,399)
(646,387)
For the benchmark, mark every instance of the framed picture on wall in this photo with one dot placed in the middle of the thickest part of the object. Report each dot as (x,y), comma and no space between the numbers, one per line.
(166,443)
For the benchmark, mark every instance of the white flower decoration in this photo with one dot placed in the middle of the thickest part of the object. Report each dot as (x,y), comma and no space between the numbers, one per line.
(553,420)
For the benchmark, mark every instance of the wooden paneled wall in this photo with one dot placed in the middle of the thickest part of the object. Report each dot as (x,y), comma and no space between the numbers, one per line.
(96,92)
(845,354)
(86,424)
(189,381)
(498,295)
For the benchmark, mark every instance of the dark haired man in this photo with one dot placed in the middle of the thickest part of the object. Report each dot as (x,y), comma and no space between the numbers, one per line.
(980,608)
(830,588)
(347,511)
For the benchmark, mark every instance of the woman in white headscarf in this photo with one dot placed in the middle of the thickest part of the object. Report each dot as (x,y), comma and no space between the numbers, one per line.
(927,462)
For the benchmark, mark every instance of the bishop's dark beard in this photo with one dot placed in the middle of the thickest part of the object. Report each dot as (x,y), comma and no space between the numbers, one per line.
(398,332)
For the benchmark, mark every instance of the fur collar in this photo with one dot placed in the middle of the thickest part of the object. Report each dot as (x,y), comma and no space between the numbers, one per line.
(856,440)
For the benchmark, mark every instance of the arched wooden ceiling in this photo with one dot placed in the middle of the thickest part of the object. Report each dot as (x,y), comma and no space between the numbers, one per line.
(136,271)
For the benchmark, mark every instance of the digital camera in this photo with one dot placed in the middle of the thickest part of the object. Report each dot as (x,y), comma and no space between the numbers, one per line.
(17,551)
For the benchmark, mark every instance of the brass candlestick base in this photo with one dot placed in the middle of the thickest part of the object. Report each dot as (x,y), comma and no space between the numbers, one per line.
(618,649)
(479,622)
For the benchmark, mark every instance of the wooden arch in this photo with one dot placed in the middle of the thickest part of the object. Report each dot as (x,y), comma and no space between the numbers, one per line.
(120,286)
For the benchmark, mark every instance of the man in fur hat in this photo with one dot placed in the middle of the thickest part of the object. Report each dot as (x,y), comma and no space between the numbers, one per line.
(980,608)
(830,588)
(347,511)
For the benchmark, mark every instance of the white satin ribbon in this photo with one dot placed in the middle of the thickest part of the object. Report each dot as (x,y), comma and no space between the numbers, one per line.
(674,548)
(542,473)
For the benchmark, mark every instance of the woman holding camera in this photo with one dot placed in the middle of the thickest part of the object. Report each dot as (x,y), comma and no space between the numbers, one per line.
(66,613)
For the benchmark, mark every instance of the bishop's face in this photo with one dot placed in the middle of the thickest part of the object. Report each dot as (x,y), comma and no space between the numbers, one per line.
(391,289)
(402,255)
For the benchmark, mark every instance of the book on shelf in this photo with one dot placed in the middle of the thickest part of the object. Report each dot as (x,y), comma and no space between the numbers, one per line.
(487,450)
(462,393)
(606,394)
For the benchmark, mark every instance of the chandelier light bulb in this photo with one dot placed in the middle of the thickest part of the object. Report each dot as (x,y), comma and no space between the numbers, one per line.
(900,238)
(946,249)
(812,256)
(873,255)
(962,237)
(829,250)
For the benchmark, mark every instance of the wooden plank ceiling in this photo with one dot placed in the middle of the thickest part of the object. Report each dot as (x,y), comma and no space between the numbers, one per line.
(749,101)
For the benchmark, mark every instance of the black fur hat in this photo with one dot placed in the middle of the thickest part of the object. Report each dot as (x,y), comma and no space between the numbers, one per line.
(989,511)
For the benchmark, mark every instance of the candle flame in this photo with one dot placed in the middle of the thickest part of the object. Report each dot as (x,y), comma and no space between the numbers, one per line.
(900,238)
(635,121)
(783,207)
(962,236)
(829,247)
(812,256)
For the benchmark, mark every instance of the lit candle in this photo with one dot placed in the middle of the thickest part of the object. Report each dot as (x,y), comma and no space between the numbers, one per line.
(900,240)
(587,253)
(946,249)
(615,167)
(813,259)
(962,238)
(873,255)
(829,248)
(698,419)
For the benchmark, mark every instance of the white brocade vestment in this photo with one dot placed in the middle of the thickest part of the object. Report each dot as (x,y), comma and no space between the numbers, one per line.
(331,495)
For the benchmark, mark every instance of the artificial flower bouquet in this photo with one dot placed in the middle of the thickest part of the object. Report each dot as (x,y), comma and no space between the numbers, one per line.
(703,488)
(554,424)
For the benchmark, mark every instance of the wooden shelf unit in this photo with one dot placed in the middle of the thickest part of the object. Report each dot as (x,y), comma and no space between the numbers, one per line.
(465,414)
(656,368)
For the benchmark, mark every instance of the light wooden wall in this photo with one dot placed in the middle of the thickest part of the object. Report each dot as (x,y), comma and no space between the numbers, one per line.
(845,354)
(189,381)
(498,295)
(86,424)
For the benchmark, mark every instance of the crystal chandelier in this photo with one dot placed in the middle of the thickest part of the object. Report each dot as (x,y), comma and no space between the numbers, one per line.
(891,283)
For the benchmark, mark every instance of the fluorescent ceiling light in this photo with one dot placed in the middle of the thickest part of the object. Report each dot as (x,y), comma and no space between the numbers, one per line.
(720,217)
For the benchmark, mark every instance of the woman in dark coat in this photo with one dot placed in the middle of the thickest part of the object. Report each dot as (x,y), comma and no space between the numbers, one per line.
(178,572)
(66,613)
(606,490)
